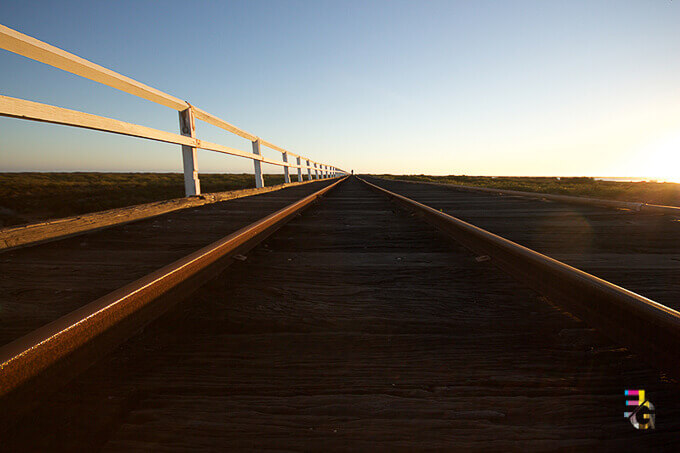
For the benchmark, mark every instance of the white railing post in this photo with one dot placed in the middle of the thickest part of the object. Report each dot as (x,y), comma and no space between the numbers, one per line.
(309,171)
(286,173)
(259,180)
(187,127)
(316,171)
(299,170)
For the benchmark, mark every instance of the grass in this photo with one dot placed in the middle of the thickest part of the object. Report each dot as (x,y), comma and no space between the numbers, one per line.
(32,197)
(665,193)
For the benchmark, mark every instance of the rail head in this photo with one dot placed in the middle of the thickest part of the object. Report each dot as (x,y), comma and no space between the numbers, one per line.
(645,326)
(38,363)
(616,204)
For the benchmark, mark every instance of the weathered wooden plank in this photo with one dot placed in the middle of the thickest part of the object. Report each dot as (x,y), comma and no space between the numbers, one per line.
(215,121)
(36,111)
(17,236)
(23,109)
(274,147)
(35,49)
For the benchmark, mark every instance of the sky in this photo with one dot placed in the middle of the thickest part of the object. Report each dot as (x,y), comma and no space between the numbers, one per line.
(552,88)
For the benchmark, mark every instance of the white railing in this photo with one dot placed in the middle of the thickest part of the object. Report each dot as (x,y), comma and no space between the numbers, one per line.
(29,47)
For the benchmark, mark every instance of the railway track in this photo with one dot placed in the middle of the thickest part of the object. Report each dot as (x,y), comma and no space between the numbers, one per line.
(80,269)
(35,365)
(353,326)
(639,323)
(637,250)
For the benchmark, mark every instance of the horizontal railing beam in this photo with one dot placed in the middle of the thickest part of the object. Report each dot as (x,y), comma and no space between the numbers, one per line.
(215,121)
(35,49)
(278,148)
(36,111)
(20,108)
(27,46)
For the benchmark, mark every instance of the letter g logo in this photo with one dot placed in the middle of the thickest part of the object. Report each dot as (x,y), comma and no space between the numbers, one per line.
(640,418)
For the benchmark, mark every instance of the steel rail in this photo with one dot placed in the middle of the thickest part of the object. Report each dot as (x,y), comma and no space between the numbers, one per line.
(616,204)
(37,364)
(646,327)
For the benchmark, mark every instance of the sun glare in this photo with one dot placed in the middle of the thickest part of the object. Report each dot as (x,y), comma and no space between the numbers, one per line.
(660,159)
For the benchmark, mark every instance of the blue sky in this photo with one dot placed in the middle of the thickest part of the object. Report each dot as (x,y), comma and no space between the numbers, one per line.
(469,87)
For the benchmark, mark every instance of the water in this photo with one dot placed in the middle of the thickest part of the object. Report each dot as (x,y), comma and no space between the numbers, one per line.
(630,179)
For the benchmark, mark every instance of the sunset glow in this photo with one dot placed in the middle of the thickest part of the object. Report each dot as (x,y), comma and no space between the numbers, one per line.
(530,88)
(661,159)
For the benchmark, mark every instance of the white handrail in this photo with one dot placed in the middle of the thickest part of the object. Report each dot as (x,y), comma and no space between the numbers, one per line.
(35,49)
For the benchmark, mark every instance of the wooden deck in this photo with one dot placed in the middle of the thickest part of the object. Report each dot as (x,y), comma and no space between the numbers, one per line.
(639,251)
(41,283)
(359,327)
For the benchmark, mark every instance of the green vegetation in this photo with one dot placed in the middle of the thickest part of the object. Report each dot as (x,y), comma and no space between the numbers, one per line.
(665,193)
(31,197)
